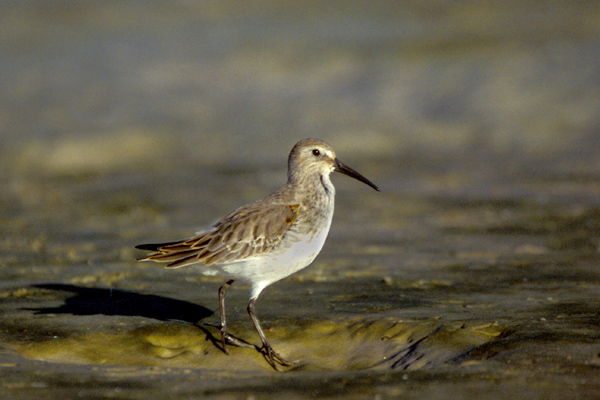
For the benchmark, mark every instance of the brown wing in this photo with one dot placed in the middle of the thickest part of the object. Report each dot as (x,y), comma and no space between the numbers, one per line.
(246,233)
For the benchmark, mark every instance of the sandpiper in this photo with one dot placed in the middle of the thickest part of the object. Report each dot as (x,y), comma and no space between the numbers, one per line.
(267,240)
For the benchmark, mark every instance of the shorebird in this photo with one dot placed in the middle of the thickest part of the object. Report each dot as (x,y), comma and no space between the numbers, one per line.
(267,240)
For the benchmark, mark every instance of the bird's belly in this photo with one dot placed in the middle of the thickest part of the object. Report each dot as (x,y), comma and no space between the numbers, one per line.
(293,255)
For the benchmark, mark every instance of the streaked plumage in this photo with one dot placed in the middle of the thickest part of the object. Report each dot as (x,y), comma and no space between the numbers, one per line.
(269,239)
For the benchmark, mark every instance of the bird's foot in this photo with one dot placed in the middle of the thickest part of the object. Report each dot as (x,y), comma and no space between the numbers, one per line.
(226,338)
(273,358)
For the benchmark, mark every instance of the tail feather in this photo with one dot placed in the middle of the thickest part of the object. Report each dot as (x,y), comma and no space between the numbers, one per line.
(172,256)
(182,262)
(177,254)
(154,246)
(183,252)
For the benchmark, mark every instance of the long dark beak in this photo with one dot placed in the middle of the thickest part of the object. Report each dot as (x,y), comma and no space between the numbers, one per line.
(339,167)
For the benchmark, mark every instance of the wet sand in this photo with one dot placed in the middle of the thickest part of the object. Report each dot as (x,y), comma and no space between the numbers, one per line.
(454,297)
(473,274)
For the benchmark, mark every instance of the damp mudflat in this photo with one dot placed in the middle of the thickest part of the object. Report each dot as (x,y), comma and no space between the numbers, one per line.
(428,293)
(473,274)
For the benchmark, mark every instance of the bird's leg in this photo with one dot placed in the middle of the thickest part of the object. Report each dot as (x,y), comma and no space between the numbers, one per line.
(270,354)
(222,292)
(225,337)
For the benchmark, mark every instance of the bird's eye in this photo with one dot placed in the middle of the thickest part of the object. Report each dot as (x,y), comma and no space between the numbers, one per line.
(316,152)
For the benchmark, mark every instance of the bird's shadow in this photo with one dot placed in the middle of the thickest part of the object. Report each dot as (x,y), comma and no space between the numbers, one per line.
(112,302)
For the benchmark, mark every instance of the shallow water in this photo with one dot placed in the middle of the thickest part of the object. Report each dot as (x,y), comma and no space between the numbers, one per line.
(472,274)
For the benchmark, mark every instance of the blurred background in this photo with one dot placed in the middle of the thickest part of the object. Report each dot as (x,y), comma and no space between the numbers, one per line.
(124,121)
(97,87)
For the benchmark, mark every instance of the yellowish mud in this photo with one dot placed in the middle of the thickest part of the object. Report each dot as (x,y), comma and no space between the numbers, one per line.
(331,345)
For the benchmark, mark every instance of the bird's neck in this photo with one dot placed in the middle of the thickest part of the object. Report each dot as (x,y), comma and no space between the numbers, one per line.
(311,184)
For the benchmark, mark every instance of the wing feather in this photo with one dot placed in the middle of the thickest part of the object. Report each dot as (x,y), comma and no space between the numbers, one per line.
(246,233)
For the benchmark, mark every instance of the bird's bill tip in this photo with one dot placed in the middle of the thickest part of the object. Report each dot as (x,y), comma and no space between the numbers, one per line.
(344,169)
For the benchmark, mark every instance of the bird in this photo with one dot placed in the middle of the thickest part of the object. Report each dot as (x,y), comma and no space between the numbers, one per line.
(265,241)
